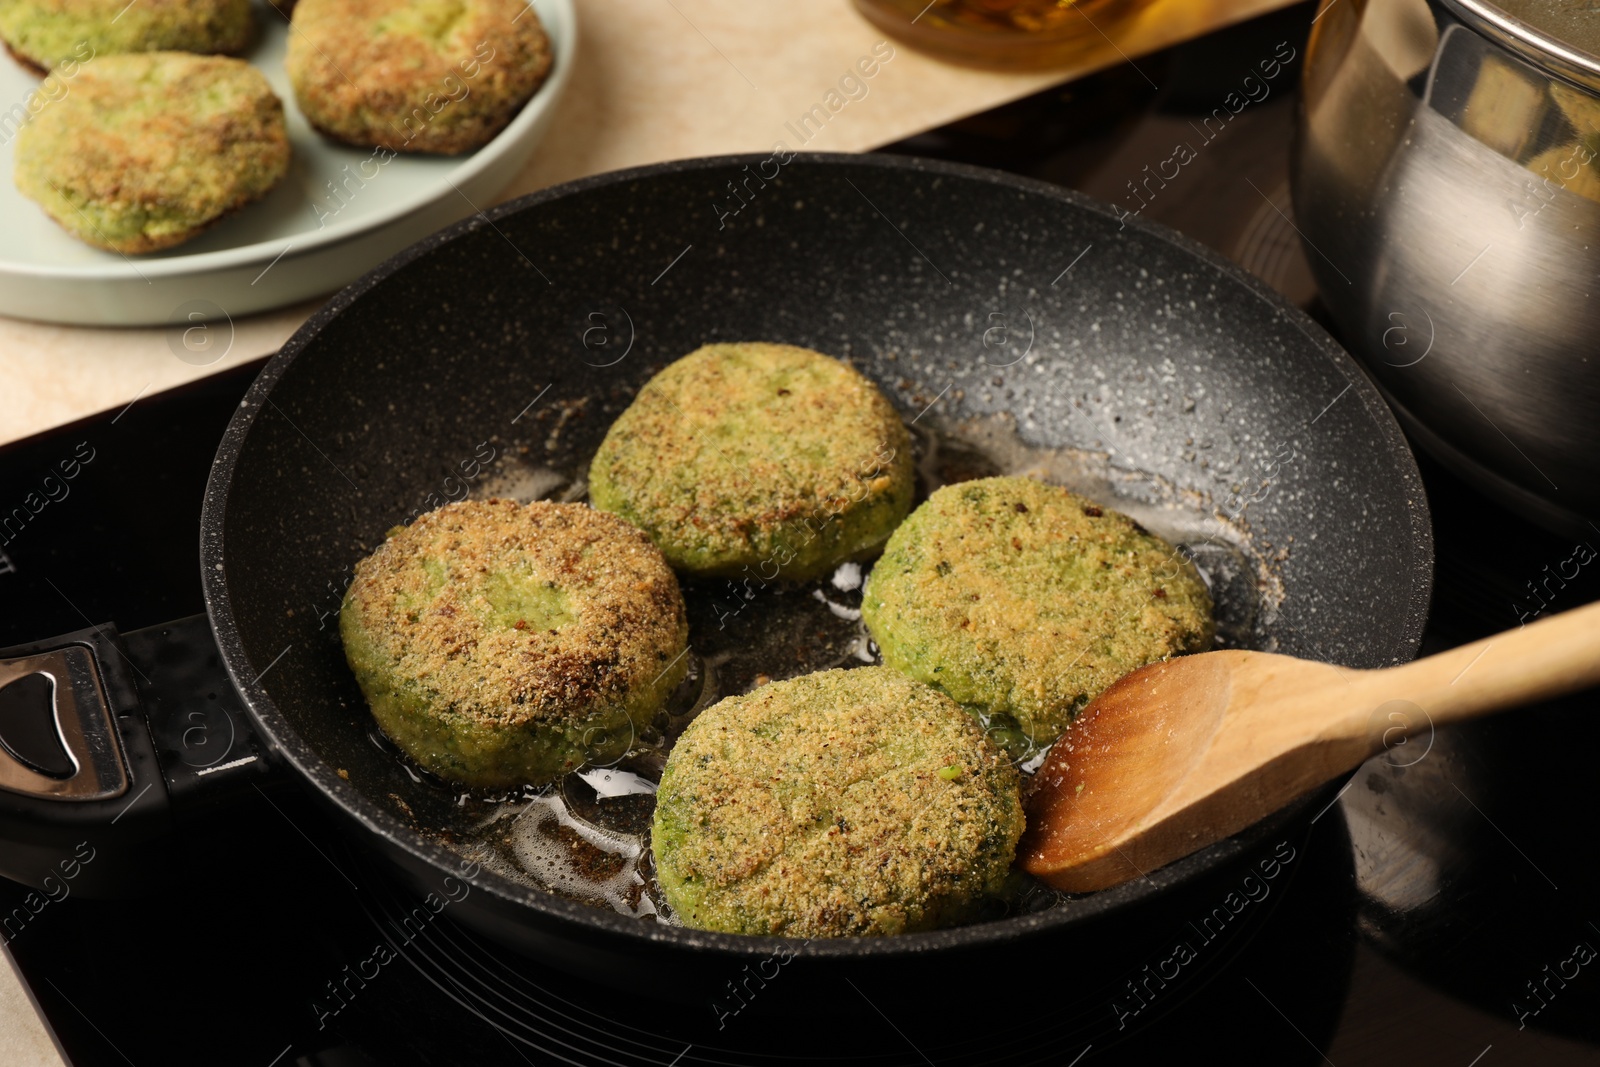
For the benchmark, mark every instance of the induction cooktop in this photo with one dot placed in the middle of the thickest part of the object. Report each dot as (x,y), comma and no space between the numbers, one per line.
(1440,910)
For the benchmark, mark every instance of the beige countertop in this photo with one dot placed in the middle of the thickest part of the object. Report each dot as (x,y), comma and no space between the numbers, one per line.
(654,80)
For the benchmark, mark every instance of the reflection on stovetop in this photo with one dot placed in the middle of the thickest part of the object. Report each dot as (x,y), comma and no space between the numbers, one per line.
(279,935)
(1438,913)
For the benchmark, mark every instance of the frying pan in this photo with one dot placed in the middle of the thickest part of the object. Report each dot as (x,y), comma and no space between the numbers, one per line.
(503,347)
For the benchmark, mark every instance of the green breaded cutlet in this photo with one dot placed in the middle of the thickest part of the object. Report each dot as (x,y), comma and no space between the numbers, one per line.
(43,33)
(145,151)
(501,644)
(1023,601)
(844,803)
(758,460)
(432,76)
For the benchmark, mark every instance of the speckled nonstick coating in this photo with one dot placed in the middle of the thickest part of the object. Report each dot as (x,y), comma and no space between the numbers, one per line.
(1150,347)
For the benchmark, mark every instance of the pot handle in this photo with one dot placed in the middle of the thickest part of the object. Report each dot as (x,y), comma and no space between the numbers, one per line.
(109,743)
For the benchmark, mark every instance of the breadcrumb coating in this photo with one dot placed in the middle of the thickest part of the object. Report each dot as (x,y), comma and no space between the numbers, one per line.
(1023,601)
(843,803)
(144,151)
(502,644)
(758,460)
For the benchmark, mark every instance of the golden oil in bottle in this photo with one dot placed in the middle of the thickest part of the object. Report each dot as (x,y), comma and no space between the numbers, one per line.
(1004,34)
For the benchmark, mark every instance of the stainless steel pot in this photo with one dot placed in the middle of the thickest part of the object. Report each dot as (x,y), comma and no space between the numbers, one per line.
(1446,181)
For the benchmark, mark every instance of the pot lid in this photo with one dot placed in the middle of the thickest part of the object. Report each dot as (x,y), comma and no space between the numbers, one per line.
(1558,35)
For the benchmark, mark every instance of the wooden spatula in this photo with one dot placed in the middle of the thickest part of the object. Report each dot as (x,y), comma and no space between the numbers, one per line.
(1183,753)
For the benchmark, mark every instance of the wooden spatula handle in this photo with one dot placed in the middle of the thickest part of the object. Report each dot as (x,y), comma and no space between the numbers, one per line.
(1554,655)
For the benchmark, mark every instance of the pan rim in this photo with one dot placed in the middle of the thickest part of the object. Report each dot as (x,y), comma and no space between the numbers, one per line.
(309,765)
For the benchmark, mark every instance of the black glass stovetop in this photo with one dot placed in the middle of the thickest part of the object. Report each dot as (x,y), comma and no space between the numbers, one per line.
(1442,911)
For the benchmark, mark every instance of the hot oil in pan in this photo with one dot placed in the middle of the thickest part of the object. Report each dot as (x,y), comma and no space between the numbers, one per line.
(587,837)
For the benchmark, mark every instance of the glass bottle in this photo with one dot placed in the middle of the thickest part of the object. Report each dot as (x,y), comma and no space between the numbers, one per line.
(1004,34)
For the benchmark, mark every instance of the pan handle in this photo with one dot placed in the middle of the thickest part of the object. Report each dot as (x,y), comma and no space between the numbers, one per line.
(109,744)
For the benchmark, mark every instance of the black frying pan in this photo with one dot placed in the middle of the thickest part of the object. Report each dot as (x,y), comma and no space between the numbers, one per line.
(523,332)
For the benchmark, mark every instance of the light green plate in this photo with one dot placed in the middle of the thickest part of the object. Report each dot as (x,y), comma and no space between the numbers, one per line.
(323,227)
